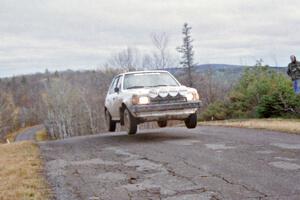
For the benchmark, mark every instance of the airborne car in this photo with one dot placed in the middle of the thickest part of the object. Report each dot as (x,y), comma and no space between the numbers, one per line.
(143,96)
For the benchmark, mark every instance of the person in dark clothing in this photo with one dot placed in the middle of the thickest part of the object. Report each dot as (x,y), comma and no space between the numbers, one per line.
(294,72)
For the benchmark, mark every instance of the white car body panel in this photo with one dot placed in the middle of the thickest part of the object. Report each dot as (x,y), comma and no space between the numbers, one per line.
(115,100)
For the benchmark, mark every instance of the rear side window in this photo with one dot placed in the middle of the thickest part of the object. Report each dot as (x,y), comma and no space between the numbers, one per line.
(114,85)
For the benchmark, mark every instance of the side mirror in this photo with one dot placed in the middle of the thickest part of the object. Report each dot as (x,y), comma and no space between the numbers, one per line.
(117,90)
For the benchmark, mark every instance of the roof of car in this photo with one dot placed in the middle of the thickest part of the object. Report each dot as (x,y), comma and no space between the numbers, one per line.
(145,71)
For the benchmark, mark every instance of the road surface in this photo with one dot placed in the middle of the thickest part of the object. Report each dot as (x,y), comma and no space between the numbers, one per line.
(176,163)
(29,133)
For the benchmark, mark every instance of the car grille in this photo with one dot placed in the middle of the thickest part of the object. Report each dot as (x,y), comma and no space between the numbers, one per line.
(168,99)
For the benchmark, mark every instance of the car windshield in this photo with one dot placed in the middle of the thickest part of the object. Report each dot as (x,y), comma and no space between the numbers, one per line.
(141,80)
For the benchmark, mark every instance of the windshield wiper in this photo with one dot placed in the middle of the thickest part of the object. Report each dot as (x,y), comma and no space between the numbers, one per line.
(162,85)
(134,87)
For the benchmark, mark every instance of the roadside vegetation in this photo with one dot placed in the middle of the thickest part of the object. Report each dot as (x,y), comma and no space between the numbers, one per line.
(70,103)
(260,93)
(41,135)
(20,172)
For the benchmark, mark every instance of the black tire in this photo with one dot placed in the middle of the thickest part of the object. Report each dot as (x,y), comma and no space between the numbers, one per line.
(130,122)
(110,124)
(191,121)
(162,124)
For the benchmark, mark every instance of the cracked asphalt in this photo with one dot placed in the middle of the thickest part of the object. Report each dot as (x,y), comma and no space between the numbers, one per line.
(175,164)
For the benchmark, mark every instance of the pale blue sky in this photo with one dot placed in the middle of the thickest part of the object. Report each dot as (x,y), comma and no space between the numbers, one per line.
(76,34)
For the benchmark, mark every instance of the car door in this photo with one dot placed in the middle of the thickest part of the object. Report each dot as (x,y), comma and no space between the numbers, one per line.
(118,98)
(111,96)
(115,99)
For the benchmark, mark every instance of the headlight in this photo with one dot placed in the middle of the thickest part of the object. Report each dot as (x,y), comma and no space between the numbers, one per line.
(140,100)
(192,96)
(189,96)
(196,96)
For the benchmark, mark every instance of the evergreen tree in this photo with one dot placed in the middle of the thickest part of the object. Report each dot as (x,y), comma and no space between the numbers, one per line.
(187,51)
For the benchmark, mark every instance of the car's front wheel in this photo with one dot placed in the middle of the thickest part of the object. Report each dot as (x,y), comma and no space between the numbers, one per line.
(110,124)
(130,122)
(191,121)
(162,124)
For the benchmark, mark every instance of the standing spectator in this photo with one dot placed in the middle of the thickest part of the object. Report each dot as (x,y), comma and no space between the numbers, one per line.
(294,72)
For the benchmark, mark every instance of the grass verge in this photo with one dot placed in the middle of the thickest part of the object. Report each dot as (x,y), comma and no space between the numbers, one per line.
(41,135)
(21,172)
(283,125)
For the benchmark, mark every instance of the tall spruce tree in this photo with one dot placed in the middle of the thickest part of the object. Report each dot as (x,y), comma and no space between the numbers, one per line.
(186,49)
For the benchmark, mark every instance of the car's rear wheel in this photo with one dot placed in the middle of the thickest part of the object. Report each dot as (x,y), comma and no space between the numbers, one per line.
(130,122)
(191,121)
(162,124)
(110,124)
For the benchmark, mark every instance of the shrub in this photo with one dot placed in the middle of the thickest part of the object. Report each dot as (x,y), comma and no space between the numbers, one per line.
(261,92)
(215,111)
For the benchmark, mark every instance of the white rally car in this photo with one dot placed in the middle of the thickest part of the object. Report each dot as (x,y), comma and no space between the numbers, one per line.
(143,96)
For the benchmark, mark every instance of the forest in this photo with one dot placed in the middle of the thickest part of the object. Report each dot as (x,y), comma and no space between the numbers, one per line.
(71,103)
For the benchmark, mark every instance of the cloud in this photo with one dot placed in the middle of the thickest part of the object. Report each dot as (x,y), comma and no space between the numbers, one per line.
(58,34)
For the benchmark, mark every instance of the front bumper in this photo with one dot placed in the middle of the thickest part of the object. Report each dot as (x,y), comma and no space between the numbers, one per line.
(155,112)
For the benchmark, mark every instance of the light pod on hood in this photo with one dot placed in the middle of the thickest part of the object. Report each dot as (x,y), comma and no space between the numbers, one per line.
(173,92)
(153,93)
(183,91)
(163,92)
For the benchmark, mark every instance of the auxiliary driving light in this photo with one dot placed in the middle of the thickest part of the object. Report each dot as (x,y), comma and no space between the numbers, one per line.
(173,92)
(153,93)
(163,93)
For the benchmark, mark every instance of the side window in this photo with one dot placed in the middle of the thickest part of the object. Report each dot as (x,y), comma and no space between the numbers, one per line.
(113,85)
(119,83)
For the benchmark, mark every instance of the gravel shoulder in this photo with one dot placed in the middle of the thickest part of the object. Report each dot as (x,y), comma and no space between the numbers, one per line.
(175,163)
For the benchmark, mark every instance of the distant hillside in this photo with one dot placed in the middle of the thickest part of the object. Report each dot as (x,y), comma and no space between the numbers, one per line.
(220,68)
(220,71)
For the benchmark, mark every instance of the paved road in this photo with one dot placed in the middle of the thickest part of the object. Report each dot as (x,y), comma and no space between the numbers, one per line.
(29,133)
(176,163)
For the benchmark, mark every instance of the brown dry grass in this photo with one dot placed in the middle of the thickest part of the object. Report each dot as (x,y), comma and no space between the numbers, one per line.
(41,135)
(283,125)
(21,172)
